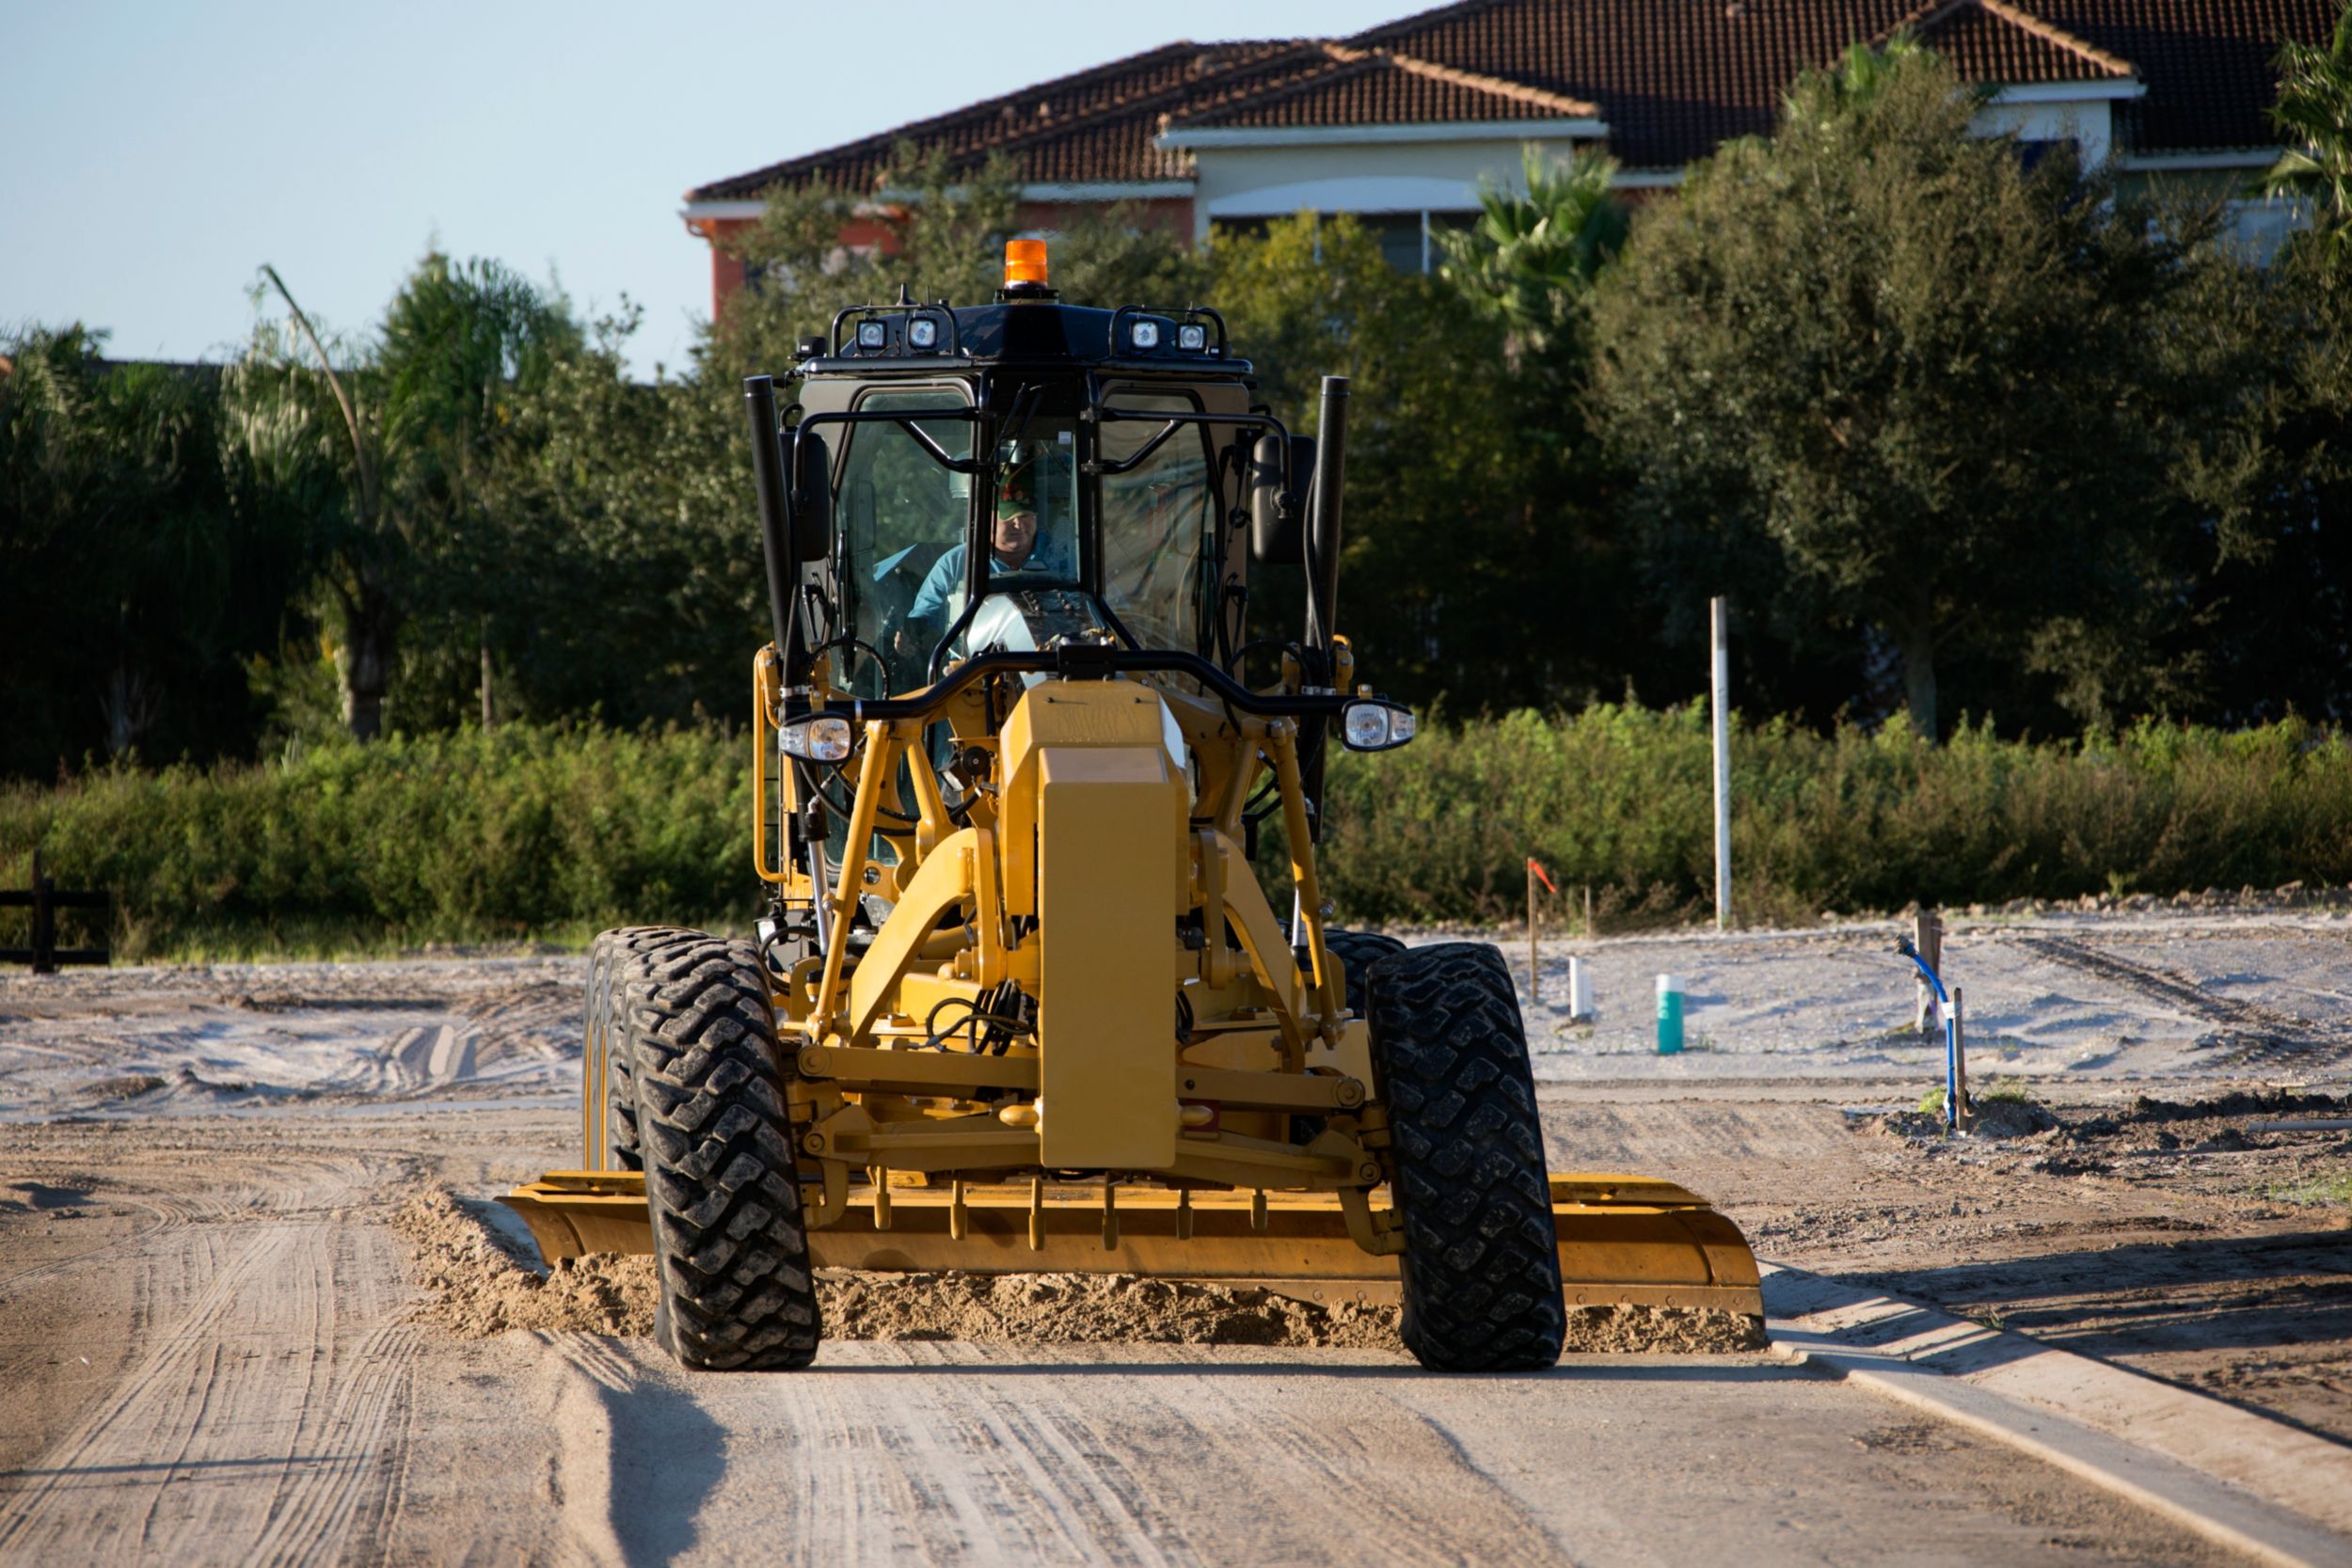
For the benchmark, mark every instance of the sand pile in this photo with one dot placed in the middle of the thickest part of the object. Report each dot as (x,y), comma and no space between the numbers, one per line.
(479,1286)
(1080,1309)
(1661,1331)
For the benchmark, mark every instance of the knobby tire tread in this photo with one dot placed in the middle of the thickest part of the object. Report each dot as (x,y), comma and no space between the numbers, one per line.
(730,1243)
(1481,1266)
(1358,951)
(612,958)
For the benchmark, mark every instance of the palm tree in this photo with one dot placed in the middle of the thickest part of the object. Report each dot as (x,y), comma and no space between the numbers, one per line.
(1529,258)
(419,411)
(2314,108)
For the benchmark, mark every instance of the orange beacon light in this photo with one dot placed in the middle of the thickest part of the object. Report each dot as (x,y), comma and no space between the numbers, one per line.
(1025,263)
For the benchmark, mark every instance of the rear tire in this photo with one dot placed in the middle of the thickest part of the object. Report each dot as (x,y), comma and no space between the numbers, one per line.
(721,1186)
(1358,951)
(1481,1265)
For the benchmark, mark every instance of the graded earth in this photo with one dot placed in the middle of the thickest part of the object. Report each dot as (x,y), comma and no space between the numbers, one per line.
(256,1305)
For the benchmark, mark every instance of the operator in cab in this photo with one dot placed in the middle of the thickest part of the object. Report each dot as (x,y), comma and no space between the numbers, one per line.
(1015,545)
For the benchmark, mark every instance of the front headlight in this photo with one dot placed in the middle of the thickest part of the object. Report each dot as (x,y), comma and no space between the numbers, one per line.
(817,738)
(1375,724)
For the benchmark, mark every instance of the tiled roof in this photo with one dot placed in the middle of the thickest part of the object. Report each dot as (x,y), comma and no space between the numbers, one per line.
(1670,78)
(1097,124)
(1673,77)
(1376,88)
(1676,77)
(2207,63)
(1989,40)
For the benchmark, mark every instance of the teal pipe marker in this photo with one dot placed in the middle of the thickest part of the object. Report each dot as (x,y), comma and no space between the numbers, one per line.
(1669,1015)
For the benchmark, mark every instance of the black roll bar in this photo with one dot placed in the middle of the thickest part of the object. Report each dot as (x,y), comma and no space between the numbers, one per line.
(1087,661)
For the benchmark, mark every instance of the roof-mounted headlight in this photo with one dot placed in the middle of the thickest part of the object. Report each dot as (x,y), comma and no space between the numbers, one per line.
(1143,336)
(817,738)
(1192,337)
(1375,724)
(871,334)
(923,332)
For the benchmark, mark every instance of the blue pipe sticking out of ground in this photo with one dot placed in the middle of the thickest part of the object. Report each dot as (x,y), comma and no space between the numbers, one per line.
(1952,1035)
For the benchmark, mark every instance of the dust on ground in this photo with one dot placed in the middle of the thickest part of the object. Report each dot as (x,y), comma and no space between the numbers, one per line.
(478,1284)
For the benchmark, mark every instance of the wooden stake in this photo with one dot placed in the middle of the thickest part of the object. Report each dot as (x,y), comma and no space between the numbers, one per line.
(1959,1064)
(1719,615)
(1534,985)
(1927,935)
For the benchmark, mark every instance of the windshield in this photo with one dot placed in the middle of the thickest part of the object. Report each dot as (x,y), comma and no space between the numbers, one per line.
(1033,535)
(904,560)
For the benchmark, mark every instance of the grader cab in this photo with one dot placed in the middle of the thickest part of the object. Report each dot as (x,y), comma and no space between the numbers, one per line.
(1019,1001)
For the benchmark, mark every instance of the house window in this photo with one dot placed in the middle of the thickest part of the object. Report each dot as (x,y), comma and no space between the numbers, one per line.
(1399,238)
(1409,241)
(2031,153)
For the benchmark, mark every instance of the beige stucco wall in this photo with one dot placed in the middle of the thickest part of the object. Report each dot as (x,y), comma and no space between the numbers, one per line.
(2091,125)
(1378,177)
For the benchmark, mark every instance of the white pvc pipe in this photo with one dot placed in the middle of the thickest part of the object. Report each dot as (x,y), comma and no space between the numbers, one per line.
(1723,764)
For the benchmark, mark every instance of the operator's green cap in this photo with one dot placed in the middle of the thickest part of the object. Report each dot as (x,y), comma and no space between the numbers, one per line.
(1020,491)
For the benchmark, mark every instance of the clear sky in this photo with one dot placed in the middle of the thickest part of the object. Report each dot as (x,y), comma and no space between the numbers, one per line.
(158,153)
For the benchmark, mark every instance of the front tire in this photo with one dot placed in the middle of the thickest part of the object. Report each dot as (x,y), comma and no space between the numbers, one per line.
(722,1187)
(613,963)
(1481,1265)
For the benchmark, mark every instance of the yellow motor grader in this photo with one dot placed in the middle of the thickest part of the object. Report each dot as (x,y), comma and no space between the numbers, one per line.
(1018,1001)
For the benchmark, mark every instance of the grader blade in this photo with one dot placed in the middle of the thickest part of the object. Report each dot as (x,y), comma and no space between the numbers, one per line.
(1624,1240)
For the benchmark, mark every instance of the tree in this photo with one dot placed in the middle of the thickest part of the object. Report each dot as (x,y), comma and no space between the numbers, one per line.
(2267,459)
(1474,566)
(937,232)
(624,511)
(2314,108)
(1886,352)
(387,453)
(1530,259)
(131,585)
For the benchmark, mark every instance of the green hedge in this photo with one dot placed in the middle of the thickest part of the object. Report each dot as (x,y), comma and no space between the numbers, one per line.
(463,837)
(1621,798)
(554,833)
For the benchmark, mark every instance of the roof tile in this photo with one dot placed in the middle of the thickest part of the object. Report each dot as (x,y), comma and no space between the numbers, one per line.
(1671,78)
(1377,87)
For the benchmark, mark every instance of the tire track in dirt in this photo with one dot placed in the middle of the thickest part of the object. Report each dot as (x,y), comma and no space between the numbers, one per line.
(2247,1033)
(258,1425)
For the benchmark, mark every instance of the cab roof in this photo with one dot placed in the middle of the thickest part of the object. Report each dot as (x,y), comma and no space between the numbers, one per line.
(1041,332)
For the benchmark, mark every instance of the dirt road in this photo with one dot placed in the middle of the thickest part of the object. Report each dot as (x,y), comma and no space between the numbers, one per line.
(215,1347)
(207,1358)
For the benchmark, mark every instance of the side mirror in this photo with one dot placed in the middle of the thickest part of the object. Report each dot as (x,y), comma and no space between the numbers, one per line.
(812,497)
(1278,533)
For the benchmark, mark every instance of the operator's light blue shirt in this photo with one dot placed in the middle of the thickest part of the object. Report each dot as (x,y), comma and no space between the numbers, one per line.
(1051,558)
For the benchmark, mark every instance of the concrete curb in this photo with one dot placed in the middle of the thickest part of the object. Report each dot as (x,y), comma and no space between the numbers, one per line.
(2254,1485)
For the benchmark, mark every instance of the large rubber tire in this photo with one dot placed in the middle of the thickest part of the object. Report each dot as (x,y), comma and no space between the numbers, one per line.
(1481,1266)
(730,1247)
(613,960)
(1358,951)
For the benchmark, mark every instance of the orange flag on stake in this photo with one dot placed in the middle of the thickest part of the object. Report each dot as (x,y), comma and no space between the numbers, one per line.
(1539,872)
